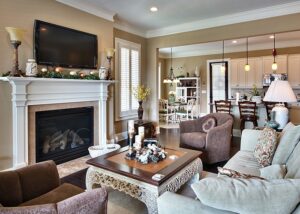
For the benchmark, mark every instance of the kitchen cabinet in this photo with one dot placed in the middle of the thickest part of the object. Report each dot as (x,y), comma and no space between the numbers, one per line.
(281,61)
(237,73)
(294,70)
(239,78)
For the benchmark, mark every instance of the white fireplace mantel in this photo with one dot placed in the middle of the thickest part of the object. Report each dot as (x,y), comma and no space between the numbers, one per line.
(27,91)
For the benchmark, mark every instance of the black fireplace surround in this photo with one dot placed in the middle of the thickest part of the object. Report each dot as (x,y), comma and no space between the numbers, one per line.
(63,135)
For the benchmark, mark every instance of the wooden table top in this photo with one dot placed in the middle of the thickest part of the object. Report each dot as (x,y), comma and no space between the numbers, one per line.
(116,162)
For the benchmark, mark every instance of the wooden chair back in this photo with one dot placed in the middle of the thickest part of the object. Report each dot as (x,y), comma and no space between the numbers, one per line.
(247,109)
(223,106)
(163,105)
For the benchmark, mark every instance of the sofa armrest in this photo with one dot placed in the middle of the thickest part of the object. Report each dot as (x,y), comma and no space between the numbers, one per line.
(249,139)
(171,202)
(92,201)
(44,208)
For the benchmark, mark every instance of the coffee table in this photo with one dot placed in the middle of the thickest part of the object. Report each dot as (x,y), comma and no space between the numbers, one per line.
(135,179)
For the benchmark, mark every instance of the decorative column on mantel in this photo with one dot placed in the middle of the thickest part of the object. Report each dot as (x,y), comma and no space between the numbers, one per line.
(28,91)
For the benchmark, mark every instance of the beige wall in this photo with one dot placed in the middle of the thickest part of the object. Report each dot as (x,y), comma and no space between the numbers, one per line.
(121,126)
(189,64)
(253,28)
(22,13)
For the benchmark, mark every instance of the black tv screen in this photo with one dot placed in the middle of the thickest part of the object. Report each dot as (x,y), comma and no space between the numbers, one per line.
(55,45)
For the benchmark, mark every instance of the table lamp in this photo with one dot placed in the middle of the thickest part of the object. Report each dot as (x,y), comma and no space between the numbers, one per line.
(280,91)
(16,35)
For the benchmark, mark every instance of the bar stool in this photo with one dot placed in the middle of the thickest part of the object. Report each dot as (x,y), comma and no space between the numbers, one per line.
(223,106)
(247,113)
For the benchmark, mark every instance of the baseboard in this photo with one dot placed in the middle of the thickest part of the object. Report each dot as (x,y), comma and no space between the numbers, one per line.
(236,132)
(120,136)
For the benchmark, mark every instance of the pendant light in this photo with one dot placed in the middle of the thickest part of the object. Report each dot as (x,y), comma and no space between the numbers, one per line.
(274,53)
(171,78)
(247,66)
(223,68)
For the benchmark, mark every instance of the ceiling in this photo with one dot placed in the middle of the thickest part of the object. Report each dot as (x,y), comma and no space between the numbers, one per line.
(175,16)
(283,40)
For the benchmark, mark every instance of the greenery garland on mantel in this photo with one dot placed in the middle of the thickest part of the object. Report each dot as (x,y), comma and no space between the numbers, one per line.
(60,75)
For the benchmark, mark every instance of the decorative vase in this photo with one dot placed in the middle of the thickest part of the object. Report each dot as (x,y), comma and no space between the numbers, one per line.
(140,110)
(197,73)
(103,73)
(31,68)
(272,122)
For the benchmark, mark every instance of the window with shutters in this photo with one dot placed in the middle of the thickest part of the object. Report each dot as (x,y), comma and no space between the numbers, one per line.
(128,70)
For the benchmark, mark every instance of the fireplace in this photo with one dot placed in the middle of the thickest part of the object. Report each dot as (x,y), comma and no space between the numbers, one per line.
(63,135)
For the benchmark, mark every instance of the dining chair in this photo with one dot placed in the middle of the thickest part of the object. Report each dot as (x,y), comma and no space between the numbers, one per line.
(223,106)
(166,112)
(247,113)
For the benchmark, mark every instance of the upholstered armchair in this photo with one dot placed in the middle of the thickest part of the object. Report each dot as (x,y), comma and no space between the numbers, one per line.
(210,134)
(37,189)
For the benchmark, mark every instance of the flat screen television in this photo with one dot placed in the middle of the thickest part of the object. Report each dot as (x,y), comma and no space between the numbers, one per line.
(59,46)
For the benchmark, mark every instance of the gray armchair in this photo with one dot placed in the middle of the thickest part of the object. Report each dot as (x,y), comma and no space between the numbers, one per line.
(215,144)
(36,189)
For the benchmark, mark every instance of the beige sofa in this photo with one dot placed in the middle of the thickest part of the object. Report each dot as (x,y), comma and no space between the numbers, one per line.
(244,162)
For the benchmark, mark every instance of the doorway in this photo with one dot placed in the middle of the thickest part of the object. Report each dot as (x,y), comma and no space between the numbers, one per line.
(218,82)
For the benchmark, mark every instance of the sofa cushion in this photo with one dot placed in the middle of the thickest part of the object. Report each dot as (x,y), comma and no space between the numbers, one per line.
(275,171)
(265,149)
(208,124)
(38,209)
(293,163)
(60,193)
(249,195)
(10,189)
(196,140)
(244,162)
(286,145)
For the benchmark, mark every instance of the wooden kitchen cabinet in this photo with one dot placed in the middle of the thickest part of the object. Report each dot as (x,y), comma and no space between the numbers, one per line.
(294,70)
(281,61)
(255,75)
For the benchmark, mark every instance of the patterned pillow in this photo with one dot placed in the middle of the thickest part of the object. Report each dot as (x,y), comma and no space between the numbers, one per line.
(234,174)
(266,147)
(208,124)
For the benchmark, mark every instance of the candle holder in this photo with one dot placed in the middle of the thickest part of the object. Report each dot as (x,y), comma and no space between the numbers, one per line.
(131,153)
(109,55)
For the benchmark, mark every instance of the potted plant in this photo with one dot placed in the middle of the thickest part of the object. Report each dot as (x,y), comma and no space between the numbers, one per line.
(141,93)
(255,95)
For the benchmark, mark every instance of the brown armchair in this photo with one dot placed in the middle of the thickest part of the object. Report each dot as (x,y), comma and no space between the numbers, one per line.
(215,144)
(37,189)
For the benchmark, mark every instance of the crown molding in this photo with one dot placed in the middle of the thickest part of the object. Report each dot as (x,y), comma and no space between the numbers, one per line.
(89,9)
(130,29)
(263,13)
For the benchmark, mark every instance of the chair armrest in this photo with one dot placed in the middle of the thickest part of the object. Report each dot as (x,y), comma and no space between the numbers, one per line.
(44,208)
(92,201)
(218,141)
(171,202)
(249,139)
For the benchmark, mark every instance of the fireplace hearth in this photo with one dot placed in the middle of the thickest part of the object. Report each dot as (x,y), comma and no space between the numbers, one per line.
(63,135)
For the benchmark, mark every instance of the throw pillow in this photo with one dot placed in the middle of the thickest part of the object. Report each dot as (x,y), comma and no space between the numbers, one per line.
(286,145)
(208,124)
(275,171)
(235,174)
(249,195)
(266,146)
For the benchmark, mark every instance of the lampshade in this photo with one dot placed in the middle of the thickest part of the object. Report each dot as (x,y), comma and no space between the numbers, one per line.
(15,34)
(110,52)
(280,91)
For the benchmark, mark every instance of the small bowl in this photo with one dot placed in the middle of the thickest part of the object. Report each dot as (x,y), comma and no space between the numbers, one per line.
(98,150)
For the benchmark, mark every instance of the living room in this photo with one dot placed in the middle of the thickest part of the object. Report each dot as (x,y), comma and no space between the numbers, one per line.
(113,106)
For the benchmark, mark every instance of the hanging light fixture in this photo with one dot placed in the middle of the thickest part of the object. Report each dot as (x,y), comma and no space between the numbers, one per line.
(223,68)
(247,66)
(274,53)
(171,78)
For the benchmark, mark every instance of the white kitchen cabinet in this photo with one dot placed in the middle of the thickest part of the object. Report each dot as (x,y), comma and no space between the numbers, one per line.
(281,61)
(237,73)
(239,78)
(294,70)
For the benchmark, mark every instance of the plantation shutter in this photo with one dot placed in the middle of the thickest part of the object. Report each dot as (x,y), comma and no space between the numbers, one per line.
(128,74)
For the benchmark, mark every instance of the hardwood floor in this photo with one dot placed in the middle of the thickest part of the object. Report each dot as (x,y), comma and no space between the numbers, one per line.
(169,138)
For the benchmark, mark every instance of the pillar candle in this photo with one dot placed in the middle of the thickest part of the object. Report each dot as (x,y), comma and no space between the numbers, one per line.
(142,132)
